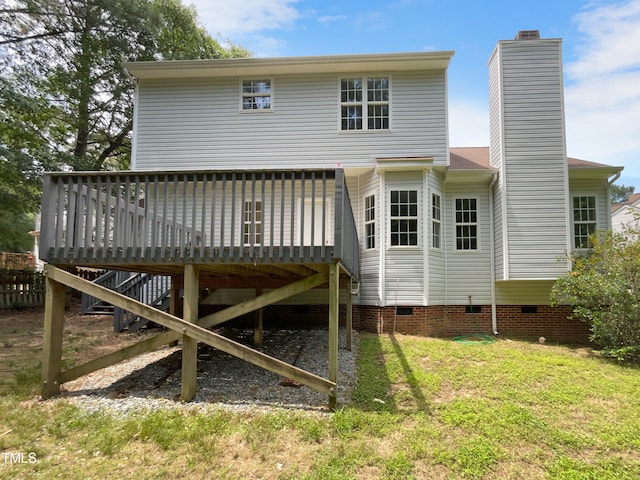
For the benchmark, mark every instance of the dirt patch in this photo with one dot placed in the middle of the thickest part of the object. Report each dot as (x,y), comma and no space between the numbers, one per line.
(85,337)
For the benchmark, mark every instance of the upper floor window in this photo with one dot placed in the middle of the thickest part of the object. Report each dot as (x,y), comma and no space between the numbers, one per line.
(584,221)
(370,221)
(404,217)
(256,95)
(466,223)
(364,103)
(436,219)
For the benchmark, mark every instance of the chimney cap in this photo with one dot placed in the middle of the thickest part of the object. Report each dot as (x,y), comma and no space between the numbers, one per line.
(528,35)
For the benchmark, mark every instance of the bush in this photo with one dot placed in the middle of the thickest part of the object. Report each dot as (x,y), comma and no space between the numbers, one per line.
(603,289)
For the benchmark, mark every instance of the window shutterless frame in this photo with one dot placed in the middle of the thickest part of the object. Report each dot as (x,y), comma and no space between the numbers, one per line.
(256,95)
(364,104)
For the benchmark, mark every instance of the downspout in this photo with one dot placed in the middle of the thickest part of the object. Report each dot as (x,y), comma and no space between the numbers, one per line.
(492,253)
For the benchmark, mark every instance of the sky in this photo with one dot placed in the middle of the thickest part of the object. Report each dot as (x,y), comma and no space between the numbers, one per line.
(601,54)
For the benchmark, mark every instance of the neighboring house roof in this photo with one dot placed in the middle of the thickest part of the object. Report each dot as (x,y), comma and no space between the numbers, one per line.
(632,201)
(477,158)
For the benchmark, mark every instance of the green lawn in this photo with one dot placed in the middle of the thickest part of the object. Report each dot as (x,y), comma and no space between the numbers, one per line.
(423,408)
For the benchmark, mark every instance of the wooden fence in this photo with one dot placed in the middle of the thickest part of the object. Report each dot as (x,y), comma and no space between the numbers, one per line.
(21,288)
(26,288)
(17,261)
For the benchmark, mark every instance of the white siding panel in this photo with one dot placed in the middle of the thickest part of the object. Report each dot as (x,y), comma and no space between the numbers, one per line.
(532,194)
(437,263)
(197,124)
(523,292)
(468,272)
(404,266)
(370,293)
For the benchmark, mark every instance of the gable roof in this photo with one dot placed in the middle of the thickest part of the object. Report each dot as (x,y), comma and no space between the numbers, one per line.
(477,158)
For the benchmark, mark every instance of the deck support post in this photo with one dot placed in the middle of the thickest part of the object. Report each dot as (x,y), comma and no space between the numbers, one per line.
(259,322)
(52,344)
(174,295)
(189,344)
(334,315)
(349,306)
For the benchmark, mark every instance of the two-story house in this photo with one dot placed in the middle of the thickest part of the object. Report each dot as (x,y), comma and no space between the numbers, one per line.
(255,173)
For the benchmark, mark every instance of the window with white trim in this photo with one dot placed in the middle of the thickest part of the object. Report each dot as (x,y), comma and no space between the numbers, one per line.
(370,221)
(256,95)
(404,217)
(252,223)
(466,211)
(436,221)
(364,103)
(584,220)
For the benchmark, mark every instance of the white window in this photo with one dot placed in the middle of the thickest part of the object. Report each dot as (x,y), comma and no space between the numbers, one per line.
(404,217)
(252,223)
(364,103)
(436,219)
(466,223)
(256,95)
(584,221)
(370,221)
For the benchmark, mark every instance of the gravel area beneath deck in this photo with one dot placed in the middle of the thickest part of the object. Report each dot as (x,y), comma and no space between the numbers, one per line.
(152,380)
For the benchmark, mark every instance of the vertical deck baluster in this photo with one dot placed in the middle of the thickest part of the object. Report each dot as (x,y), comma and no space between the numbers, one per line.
(271,214)
(263,206)
(243,200)
(71,216)
(127,214)
(62,215)
(152,208)
(252,229)
(282,195)
(174,215)
(193,226)
(78,226)
(146,231)
(324,216)
(203,215)
(184,232)
(108,226)
(164,218)
(292,227)
(214,206)
(313,215)
(90,215)
(232,242)
(135,218)
(302,209)
(223,214)
(100,215)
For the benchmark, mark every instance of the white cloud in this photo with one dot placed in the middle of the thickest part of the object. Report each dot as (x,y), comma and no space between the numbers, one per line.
(602,96)
(332,18)
(228,19)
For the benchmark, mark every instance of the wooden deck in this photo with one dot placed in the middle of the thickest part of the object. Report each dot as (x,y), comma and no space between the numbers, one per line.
(288,231)
(270,222)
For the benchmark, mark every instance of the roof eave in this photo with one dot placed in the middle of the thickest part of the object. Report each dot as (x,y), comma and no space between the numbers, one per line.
(578,173)
(387,62)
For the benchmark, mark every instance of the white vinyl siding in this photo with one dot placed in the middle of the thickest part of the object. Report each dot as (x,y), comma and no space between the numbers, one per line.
(529,148)
(404,275)
(468,271)
(523,292)
(192,124)
(370,288)
(436,264)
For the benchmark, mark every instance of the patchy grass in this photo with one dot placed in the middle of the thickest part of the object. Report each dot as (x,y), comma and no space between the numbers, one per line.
(423,408)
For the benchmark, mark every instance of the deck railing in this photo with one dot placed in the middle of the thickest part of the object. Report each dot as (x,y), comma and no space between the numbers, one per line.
(241,216)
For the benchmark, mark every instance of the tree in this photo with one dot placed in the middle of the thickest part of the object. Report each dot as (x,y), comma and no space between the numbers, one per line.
(65,99)
(603,290)
(620,193)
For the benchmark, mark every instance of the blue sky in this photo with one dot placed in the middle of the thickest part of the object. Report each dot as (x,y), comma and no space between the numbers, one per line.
(601,54)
